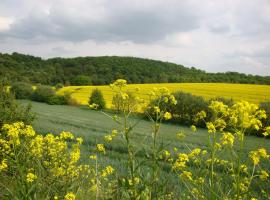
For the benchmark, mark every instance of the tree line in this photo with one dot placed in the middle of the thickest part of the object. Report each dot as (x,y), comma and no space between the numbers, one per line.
(105,69)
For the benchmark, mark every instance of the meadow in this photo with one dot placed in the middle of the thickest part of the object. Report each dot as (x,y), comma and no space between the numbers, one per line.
(93,125)
(247,92)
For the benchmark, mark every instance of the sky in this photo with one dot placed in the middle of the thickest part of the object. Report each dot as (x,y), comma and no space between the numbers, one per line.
(212,35)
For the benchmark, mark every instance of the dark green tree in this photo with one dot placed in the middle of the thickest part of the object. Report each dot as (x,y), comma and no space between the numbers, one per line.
(97,98)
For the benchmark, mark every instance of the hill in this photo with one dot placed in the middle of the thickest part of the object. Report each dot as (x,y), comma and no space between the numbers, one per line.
(105,69)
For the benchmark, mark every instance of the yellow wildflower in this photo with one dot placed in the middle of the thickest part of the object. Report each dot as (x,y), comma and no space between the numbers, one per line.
(186,175)
(93,157)
(193,128)
(264,175)
(101,148)
(3,165)
(30,177)
(70,196)
(167,116)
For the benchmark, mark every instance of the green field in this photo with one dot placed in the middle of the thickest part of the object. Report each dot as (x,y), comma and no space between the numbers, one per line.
(93,125)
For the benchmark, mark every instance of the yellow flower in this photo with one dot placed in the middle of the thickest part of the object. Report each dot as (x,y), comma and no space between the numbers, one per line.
(227,139)
(254,157)
(194,152)
(93,157)
(186,175)
(66,135)
(166,153)
(108,138)
(93,106)
(263,153)
(79,140)
(156,109)
(211,128)
(167,116)
(107,171)
(3,165)
(114,133)
(193,128)
(264,175)
(30,177)
(101,148)
(70,196)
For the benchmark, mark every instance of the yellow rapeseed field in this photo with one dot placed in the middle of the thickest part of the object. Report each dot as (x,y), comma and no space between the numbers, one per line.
(247,92)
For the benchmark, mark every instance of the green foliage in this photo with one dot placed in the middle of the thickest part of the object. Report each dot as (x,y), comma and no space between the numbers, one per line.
(97,98)
(57,100)
(103,70)
(81,80)
(11,111)
(43,94)
(22,90)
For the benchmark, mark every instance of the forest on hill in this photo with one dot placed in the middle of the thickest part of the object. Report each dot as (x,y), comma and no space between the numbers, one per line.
(105,69)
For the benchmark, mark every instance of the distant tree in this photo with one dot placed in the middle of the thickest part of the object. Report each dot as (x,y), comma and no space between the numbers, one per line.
(81,80)
(97,98)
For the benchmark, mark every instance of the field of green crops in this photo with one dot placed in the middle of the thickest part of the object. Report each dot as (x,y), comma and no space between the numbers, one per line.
(247,92)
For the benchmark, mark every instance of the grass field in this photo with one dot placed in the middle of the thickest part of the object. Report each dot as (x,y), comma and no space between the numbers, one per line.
(93,125)
(247,92)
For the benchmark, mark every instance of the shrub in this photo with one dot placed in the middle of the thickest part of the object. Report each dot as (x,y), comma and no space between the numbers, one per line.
(97,98)
(10,110)
(186,108)
(22,90)
(57,100)
(43,94)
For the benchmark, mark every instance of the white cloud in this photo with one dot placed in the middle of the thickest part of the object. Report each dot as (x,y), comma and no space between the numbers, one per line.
(5,23)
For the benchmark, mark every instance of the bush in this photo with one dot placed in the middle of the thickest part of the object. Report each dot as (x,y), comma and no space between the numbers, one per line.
(57,100)
(22,90)
(97,98)
(43,94)
(11,111)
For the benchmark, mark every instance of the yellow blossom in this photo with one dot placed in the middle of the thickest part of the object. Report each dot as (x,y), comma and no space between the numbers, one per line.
(193,128)
(264,175)
(101,148)
(30,177)
(70,196)
(167,116)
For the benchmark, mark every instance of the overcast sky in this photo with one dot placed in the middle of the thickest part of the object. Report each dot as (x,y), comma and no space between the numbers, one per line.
(213,35)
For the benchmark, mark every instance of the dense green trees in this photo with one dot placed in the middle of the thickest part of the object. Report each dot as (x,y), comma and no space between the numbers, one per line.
(106,69)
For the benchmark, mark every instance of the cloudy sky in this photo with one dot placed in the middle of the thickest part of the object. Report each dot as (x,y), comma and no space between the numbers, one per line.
(216,36)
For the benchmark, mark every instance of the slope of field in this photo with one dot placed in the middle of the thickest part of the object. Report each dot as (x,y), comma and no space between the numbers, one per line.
(93,125)
(247,92)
